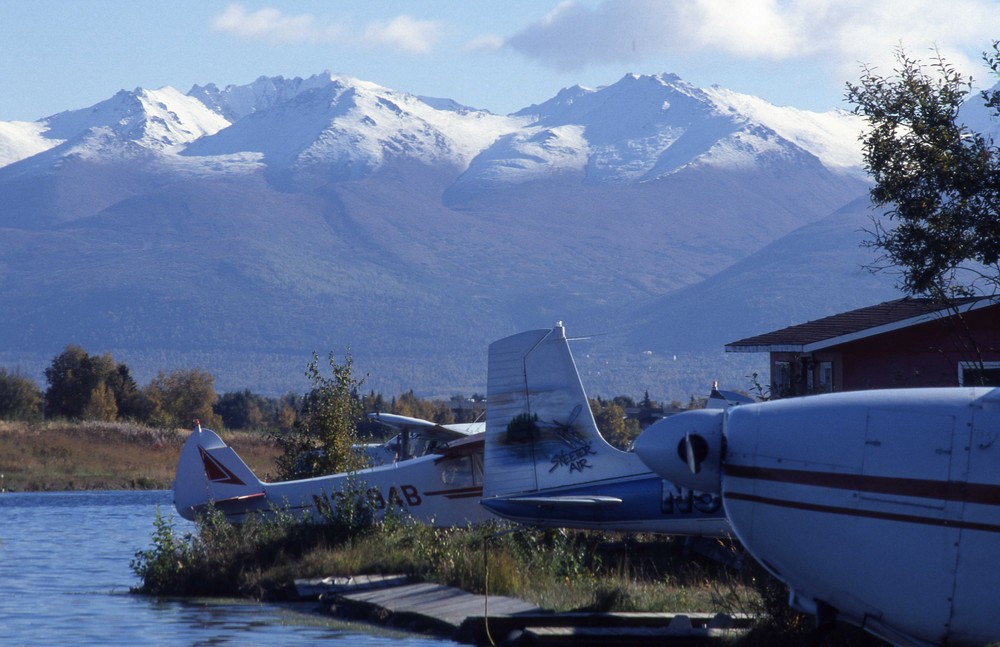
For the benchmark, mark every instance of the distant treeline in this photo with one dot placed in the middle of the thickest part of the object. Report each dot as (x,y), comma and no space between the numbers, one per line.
(85,387)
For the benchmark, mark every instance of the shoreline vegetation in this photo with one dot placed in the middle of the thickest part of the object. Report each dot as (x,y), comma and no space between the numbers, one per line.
(55,455)
(557,570)
(560,570)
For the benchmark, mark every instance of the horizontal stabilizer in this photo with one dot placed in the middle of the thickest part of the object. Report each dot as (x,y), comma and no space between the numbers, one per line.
(239,499)
(566,501)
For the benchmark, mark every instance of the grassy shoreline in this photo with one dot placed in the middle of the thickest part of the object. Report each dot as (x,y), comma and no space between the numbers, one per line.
(557,570)
(59,455)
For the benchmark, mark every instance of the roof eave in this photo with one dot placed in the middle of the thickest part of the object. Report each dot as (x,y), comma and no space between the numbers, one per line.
(779,348)
(861,334)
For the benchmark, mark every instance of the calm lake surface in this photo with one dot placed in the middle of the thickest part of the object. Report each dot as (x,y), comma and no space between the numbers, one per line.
(65,578)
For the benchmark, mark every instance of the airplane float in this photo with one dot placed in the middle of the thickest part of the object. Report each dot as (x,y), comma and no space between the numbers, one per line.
(546,463)
(877,508)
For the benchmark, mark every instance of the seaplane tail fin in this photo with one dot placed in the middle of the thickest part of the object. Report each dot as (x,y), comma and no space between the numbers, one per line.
(540,432)
(209,471)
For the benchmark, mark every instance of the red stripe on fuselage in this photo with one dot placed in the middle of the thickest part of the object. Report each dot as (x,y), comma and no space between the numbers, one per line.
(458,493)
(868,514)
(978,493)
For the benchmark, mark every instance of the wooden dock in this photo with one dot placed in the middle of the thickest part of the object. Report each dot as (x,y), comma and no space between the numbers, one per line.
(484,620)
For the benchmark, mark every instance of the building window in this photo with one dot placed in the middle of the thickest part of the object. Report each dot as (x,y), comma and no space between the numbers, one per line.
(825,377)
(782,386)
(976,374)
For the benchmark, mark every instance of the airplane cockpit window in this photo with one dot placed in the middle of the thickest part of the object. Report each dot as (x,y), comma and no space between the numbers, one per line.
(458,472)
(477,468)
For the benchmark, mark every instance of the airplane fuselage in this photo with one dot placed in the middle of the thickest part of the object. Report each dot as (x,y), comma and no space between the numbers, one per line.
(442,489)
(879,507)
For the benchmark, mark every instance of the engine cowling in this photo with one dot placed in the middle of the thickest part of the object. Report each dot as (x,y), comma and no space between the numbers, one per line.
(686,449)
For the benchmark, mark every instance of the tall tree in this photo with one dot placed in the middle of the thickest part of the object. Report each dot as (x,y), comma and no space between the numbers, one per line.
(243,409)
(73,376)
(101,405)
(180,397)
(20,397)
(325,434)
(938,181)
(612,423)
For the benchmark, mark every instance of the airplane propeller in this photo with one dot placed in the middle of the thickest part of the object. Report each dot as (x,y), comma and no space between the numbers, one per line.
(692,439)
(693,450)
(692,461)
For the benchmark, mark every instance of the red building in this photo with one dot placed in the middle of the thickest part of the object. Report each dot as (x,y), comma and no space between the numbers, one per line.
(908,342)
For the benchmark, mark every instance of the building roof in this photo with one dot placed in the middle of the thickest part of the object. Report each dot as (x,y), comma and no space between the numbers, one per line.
(856,324)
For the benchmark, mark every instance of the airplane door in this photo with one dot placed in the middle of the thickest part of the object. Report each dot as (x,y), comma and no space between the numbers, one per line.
(905,453)
(904,503)
(976,606)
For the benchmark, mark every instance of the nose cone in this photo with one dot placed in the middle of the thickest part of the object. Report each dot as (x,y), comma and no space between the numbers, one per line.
(685,449)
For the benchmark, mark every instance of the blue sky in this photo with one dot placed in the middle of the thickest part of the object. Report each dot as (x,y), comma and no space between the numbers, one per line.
(497,54)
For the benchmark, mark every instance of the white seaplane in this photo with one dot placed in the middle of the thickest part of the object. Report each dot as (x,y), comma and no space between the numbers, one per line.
(877,508)
(546,463)
(435,481)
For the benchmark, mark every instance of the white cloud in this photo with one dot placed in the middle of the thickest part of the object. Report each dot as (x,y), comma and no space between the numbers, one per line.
(404,32)
(484,43)
(270,24)
(837,34)
(573,36)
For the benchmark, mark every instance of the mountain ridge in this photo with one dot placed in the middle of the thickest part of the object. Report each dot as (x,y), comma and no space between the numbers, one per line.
(316,214)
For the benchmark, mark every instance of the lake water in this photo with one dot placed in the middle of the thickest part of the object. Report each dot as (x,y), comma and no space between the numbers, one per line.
(65,578)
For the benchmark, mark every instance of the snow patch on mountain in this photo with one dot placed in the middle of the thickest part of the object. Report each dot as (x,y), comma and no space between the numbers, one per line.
(22,139)
(163,119)
(745,149)
(531,154)
(832,136)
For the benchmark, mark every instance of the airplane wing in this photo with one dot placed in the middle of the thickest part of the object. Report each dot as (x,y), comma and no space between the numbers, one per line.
(426,428)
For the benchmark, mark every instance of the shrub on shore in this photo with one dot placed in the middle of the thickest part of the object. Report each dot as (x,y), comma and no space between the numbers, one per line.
(556,569)
(560,570)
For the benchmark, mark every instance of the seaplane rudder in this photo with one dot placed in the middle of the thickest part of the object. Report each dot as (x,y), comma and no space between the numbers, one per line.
(540,432)
(210,472)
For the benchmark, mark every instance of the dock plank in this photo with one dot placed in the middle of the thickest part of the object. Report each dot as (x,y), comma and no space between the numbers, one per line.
(443,603)
(462,616)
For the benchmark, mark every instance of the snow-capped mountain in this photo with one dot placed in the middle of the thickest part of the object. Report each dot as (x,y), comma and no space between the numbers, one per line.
(645,127)
(22,139)
(161,119)
(349,128)
(242,228)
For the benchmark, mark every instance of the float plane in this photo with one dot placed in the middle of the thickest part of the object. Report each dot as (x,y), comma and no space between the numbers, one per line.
(441,487)
(877,508)
(546,463)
